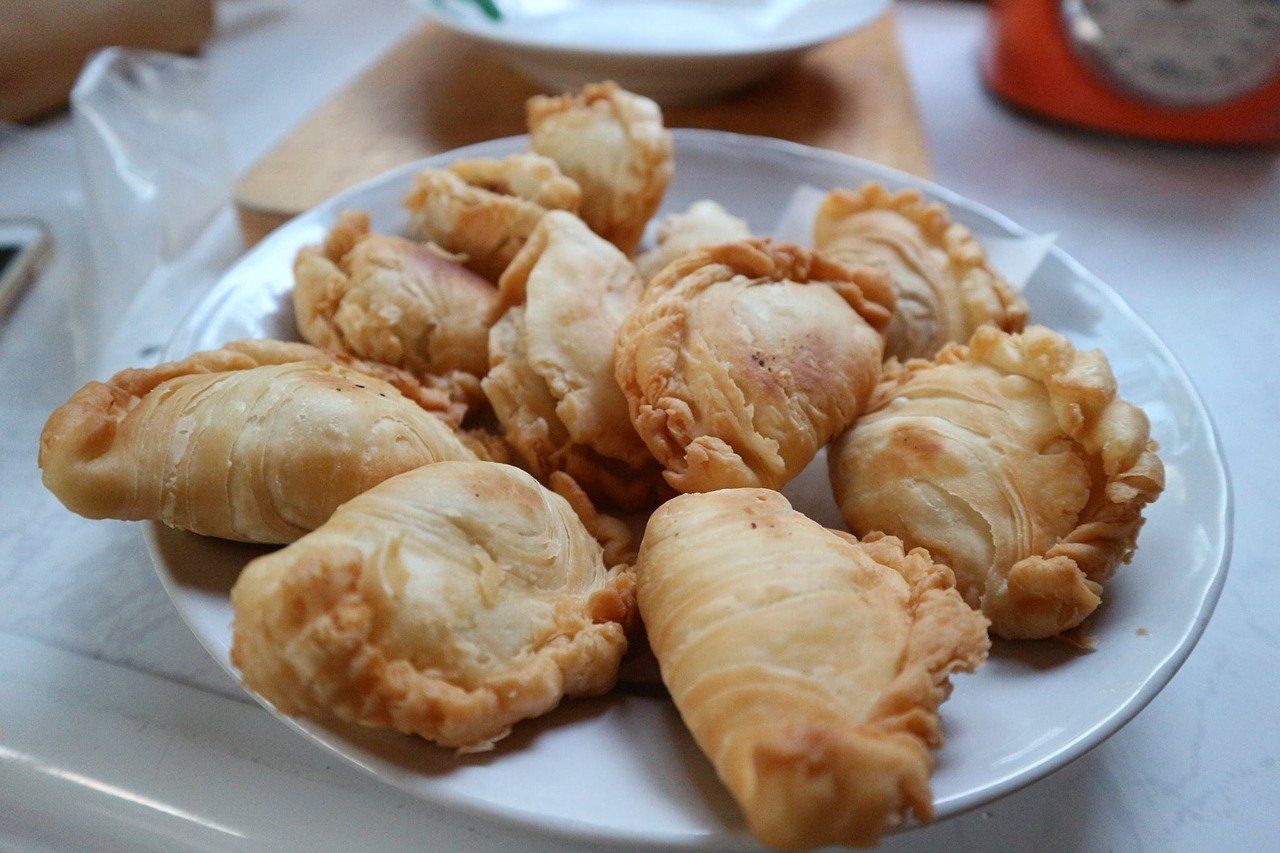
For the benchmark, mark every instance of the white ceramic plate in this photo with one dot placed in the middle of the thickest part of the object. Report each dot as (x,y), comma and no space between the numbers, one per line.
(622,767)
(671,50)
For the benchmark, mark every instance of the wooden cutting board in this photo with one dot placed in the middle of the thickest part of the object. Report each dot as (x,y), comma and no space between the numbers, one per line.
(436,91)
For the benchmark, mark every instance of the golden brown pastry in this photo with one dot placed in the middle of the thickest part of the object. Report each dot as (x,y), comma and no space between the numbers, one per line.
(1013,461)
(705,223)
(392,300)
(615,536)
(551,371)
(258,441)
(945,287)
(449,602)
(808,666)
(742,360)
(485,209)
(613,144)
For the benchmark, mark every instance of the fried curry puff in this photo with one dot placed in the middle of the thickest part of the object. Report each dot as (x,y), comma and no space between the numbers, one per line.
(742,360)
(944,284)
(450,602)
(808,666)
(1014,461)
(258,441)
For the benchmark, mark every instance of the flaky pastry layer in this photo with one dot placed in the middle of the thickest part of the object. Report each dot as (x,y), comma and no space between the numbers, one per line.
(742,360)
(944,285)
(391,300)
(258,441)
(808,666)
(704,224)
(613,143)
(485,209)
(449,602)
(551,379)
(1012,460)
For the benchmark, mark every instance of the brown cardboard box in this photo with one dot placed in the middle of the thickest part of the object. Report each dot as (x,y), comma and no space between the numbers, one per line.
(44,43)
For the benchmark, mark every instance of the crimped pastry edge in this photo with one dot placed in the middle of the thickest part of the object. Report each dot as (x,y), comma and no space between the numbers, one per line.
(1063,585)
(850,782)
(642,123)
(973,272)
(390,693)
(662,417)
(314,614)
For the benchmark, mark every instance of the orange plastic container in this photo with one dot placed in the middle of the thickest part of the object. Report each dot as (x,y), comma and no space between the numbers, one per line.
(1029,60)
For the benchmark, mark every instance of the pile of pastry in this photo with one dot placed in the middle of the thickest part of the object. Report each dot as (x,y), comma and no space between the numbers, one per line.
(449,460)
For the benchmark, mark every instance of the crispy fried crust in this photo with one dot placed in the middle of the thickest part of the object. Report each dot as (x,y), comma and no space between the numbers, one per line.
(258,441)
(551,362)
(613,534)
(485,209)
(1013,460)
(808,666)
(945,287)
(450,602)
(705,223)
(391,300)
(613,144)
(742,360)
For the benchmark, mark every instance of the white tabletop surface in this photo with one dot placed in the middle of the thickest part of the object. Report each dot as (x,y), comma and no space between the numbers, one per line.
(117,731)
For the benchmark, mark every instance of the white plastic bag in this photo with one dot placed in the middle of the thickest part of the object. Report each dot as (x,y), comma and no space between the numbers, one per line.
(157,177)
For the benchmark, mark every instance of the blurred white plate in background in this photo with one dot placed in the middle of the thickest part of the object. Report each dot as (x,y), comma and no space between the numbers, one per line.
(671,50)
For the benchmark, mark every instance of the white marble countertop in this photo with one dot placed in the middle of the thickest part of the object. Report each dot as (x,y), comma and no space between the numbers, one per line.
(109,734)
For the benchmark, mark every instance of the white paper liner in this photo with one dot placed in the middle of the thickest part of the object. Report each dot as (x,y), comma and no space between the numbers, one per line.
(1017,258)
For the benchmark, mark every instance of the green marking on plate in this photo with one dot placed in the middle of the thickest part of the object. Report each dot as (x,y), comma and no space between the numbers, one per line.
(490,9)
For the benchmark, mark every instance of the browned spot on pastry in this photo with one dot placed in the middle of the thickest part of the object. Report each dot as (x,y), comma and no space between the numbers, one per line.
(922,443)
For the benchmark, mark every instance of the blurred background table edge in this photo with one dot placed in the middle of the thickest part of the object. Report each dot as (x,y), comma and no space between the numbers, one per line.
(852,95)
